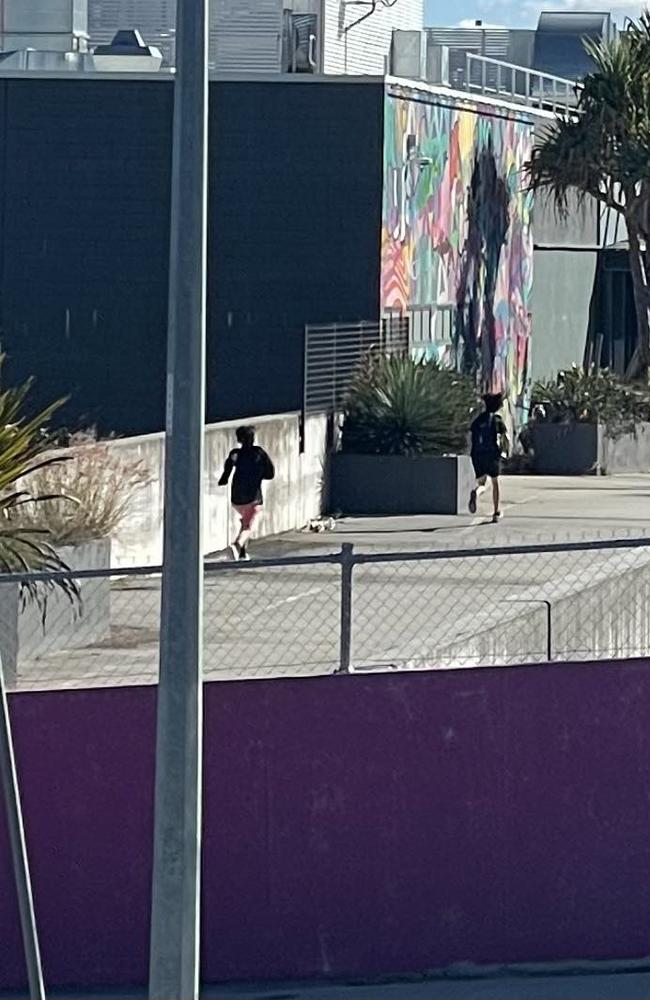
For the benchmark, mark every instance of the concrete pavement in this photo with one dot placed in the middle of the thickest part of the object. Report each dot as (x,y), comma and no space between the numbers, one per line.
(536,509)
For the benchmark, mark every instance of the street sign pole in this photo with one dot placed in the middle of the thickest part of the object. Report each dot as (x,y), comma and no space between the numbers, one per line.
(175,914)
(18,846)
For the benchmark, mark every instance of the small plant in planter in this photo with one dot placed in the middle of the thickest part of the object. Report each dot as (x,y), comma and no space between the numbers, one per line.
(25,547)
(586,421)
(591,396)
(89,489)
(399,406)
(92,488)
(404,438)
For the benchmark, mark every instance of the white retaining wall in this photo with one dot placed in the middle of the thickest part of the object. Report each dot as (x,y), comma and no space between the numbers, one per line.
(291,499)
(598,612)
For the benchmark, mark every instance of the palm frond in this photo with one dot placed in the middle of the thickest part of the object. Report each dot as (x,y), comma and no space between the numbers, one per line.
(602,152)
(24,447)
(605,144)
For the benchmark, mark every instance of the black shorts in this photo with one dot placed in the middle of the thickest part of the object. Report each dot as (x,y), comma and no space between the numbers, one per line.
(486,465)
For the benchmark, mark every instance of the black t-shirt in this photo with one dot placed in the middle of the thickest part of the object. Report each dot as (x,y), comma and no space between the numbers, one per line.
(252,466)
(487,431)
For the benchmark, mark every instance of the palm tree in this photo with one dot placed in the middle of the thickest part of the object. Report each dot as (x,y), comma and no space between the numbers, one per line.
(24,447)
(602,151)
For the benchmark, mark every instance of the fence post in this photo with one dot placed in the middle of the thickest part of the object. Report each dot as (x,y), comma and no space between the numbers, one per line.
(347,564)
(549,619)
(549,631)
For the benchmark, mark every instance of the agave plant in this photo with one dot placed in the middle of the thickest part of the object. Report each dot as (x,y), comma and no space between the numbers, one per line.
(399,406)
(25,448)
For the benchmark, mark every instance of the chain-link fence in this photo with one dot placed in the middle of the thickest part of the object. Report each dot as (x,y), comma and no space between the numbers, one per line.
(107,635)
(490,607)
(342,611)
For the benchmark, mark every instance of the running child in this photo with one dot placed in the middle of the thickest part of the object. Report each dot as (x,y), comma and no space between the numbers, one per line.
(252,466)
(489,445)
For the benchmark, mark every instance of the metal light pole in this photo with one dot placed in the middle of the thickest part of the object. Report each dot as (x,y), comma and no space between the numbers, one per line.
(11,795)
(175,916)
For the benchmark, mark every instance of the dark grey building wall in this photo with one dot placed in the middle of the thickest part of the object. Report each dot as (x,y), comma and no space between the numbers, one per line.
(294,225)
(562,301)
(84,230)
(295,231)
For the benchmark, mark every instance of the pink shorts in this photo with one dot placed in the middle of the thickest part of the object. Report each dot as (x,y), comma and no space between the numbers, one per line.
(249,513)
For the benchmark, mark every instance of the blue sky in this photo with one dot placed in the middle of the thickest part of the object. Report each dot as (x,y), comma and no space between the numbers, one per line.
(517,13)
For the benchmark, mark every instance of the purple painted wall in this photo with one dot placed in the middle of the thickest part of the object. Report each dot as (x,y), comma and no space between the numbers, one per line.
(354,826)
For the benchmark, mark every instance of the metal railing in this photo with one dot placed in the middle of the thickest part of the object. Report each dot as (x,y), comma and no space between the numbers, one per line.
(433,331)
(493,77)
(344,611)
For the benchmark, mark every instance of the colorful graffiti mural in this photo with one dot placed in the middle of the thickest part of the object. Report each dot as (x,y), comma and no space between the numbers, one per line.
(456,237)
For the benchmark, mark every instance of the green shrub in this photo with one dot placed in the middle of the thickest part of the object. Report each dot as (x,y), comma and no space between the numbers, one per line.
(399,406)
(594,395)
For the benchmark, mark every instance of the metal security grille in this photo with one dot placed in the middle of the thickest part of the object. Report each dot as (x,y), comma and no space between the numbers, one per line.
(334,351)
(435,331)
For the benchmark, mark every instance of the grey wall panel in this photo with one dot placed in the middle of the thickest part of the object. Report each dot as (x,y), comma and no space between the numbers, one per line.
(562,300)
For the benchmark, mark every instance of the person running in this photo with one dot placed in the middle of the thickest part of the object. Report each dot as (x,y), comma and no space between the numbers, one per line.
(252,465)
(489,444)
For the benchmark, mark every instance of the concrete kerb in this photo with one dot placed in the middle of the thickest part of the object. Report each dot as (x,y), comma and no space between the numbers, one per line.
(512,980)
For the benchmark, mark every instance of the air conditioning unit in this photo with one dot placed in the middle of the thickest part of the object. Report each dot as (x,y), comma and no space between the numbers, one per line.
(408,54)
(438,64)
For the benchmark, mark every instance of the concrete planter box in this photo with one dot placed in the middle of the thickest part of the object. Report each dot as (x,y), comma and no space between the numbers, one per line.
(586,449)
(399,484)
(23,635)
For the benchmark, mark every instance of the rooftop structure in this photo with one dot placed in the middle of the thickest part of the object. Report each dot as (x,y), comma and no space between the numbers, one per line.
(272,36)
(555,48)
(50,25)
(154,19)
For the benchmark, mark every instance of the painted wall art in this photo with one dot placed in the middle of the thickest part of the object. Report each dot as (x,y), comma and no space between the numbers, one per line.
(457,248)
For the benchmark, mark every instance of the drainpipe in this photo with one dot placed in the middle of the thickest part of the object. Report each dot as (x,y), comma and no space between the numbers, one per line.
(364,17)
(354,3)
